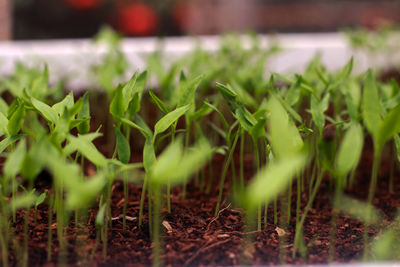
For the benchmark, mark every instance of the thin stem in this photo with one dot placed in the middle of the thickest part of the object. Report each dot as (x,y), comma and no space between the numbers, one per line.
(156,227)
(299,225)
(126,194)
(371,192)
(142,197)
(49,231)
(223,175)
(257,162)
(241,158)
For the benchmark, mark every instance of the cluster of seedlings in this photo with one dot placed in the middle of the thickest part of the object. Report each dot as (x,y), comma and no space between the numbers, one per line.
(299,130)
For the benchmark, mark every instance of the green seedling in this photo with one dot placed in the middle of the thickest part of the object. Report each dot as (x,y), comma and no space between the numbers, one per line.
(173,166)
(382,129)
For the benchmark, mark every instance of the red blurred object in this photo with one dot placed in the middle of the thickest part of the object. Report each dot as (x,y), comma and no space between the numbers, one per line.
(184,14)
(83,4)
(138,19)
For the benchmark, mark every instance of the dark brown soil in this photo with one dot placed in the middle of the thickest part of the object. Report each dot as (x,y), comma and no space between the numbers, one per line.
(192,236)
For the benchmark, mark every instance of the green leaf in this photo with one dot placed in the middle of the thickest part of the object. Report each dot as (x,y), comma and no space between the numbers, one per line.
(245,118)
(160,104)
(371,105)
(17,119)
(123,148)
(165,122)
(350,150)
(3,125)
(100,216)
(117,105)
(201,112)
(8,141)
(45,110)
(40,153)
(284,137)
(289,109)
(318,109)
(81,193)
(128,89)
(84,113)
(258,130)
(293,94)
(88,150)
(149,156)
(3,107)
(187,91)
(344,73)
(166,163)
(40,85)
(389,127)
(14,160)
(67,102)
(273,180)
(351,107)
(229,95)
(145,133)
(40,199)
(24,200)
(175,167)
(141,82)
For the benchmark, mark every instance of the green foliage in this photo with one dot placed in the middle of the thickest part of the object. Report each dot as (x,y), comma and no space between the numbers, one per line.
(287,121)
(123,148)
(165,122)
(371,105)
(175,166)
(350,150)
(273,180)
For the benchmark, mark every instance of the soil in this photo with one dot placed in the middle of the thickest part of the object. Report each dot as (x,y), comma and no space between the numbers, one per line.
(192,236)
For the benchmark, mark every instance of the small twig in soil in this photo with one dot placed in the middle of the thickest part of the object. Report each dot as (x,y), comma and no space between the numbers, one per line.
(216,217)
(128,218)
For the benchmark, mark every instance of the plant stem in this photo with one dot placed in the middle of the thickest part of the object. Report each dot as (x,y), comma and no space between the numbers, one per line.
(50,230)
(4,235)
(391,176)
(299,225)
(142,197)
(371,192)
(289,202)
(257,162)
(126,194)
(223,175)
(241,158)
(156,227)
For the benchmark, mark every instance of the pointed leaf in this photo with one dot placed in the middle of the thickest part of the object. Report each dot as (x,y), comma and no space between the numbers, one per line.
(273,180)
(389,127)
(350,150)
(165,122)
(371,105)
(45,110)
(123,148)
(160,104)
(88,150)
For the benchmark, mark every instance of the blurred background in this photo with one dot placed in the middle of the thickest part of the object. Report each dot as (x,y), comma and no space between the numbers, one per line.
(54,19)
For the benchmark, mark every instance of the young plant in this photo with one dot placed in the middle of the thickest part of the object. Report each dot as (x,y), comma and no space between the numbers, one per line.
(174,166)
